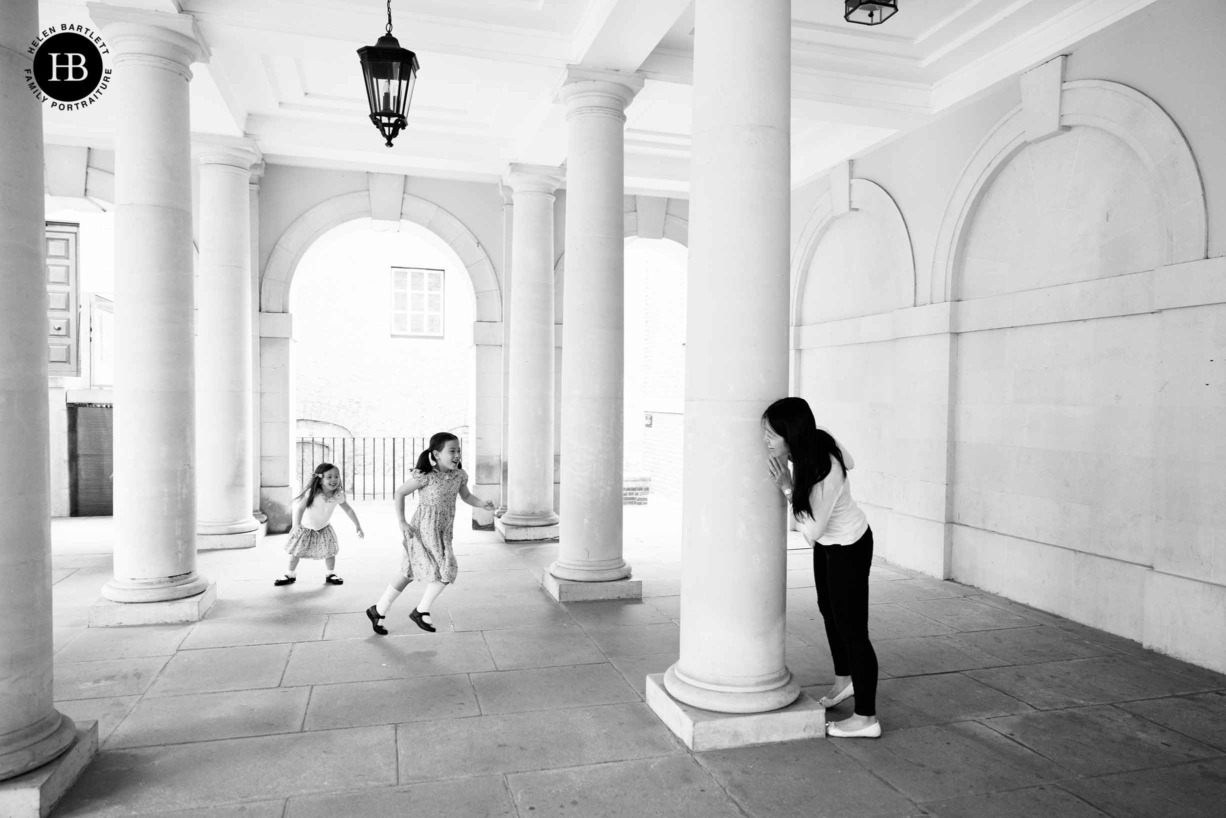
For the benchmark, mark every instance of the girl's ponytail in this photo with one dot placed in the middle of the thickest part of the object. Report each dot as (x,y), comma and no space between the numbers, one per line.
(315,485)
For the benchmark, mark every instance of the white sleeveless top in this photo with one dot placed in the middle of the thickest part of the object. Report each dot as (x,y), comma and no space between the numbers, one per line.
(317,514)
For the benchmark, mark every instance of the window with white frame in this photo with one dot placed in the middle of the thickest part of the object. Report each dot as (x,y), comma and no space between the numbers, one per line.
(417,302)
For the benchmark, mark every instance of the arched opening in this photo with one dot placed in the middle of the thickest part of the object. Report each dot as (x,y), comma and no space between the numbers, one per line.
(655,377)
(383,353)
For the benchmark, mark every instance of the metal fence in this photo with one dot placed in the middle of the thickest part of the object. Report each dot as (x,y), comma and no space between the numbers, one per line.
(371,467)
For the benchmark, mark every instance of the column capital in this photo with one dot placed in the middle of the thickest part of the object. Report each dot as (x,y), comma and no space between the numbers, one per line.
(598,90)
(257,173)
(136,32)
(533,178)
(236,152)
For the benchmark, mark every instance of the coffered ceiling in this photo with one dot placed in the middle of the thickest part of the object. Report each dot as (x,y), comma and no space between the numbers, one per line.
(286,72)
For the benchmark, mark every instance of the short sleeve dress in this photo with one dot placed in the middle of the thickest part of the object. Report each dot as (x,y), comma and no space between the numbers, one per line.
(429,555)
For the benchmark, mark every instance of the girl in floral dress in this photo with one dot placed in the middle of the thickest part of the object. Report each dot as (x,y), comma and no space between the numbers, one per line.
(428,555)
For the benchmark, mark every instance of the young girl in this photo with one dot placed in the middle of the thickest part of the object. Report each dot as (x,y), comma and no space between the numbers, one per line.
(842,541)
(311,536)
(427,539)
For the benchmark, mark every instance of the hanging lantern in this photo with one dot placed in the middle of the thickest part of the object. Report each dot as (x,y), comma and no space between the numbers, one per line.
(390,73)
(869,14)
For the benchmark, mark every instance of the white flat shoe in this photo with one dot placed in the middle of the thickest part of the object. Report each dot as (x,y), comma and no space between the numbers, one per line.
(845,693)
(871,731)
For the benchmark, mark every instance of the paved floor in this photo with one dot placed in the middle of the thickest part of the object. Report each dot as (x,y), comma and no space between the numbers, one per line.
(282,703)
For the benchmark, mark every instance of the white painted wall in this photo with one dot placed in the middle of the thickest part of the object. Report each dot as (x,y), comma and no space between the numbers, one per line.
(1053,434)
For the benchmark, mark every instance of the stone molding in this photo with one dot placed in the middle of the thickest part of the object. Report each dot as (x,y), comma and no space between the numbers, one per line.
(1175,286)
(282,263)
(1125,113)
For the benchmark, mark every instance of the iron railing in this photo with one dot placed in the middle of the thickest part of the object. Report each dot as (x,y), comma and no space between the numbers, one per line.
(371,467)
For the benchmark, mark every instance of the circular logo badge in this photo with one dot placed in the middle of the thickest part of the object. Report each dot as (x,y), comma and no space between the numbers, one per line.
(68,67)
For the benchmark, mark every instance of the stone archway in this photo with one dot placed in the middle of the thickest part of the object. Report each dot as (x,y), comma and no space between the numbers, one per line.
(275,411)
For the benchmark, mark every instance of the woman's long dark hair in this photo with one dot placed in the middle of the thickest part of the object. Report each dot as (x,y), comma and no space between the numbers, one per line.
(811,448)
(437,441)
(316,484)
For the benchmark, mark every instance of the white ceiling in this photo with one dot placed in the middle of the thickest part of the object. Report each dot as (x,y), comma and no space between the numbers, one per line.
(286,72)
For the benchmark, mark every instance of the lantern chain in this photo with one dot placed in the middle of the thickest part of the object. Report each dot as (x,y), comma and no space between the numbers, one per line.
(389,17)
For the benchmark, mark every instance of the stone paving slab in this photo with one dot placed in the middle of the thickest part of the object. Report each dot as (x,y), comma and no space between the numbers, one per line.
(910,590)
(929,654)
(1105,680)
(218,669)
(358,704)
(517,691)
(918,701)
(1073,739)
(212,774)
(522,742)
(941,762)
(889,621)
(262,809)
(210,716)
(269,630)
(541,647)
(1188,791)
(1030,645)
(108,712)
(675,786)
(637,640)
(387,657)
(503,617)
(618,613)
(1201,716)
(803,778)
(1027,803)
(636,669)
(965,613)
(484,796)
(107,678)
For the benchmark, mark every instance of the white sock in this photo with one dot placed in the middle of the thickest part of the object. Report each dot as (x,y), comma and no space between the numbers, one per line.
(291,573)
(385,601)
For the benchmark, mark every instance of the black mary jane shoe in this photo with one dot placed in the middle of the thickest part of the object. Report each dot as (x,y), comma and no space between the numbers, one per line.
(373,615)
(285,580)
(333,579)
(417,616)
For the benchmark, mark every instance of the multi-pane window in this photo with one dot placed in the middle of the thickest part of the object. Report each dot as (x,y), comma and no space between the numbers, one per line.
(417,302)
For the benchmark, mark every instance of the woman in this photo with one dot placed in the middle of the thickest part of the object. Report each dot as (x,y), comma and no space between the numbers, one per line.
(820,497)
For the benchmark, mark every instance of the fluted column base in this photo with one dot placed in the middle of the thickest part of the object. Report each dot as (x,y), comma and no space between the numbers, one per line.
(605,570)
(762,696)
(35,793)
(527,528)
(108,614)
(154,590)
(699,729)
(228,536)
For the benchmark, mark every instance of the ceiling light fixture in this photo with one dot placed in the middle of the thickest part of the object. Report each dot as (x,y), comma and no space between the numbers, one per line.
(869,14)
(390,73)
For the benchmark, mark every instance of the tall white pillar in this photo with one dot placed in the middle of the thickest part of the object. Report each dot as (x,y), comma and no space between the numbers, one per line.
(253,193)
(32,731)
(593,366)
(276,419)
(530,514)
(155,413)
(224,474)
(734,540)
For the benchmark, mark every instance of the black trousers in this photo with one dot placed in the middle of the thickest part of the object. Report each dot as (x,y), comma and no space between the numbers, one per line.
(840,573)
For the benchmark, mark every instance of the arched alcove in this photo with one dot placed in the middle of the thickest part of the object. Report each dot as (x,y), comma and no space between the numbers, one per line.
(862,255)
(1135,134)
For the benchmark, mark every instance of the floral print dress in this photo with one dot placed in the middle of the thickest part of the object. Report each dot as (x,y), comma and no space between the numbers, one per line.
(429,556)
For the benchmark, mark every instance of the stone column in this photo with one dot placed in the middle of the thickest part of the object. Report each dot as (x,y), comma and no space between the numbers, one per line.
(32,731)
(734,540)
(276,419)
(223,345)
(253,193)
(593,368)
(530,514)
(155,413)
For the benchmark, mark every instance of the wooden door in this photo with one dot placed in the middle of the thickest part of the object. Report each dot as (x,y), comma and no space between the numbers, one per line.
(90,460)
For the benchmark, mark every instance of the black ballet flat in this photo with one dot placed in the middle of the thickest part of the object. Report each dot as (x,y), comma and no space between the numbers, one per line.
(285,580)
(333,579)
(417,615)
(373,615)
